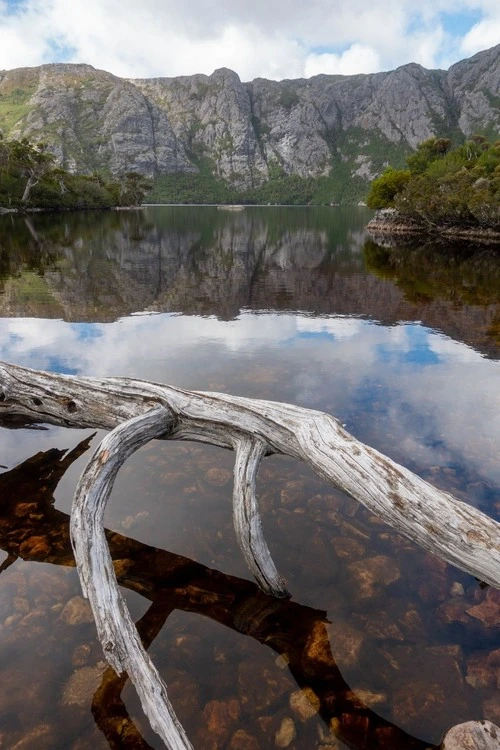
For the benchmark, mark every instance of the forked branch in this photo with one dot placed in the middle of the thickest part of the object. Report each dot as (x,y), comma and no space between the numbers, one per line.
(451,529)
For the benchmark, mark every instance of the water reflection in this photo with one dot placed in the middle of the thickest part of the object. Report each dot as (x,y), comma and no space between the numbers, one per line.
(204,262)
(293,305)
(32,529)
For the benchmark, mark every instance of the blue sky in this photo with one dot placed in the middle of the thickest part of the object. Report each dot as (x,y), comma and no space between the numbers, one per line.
(281,39)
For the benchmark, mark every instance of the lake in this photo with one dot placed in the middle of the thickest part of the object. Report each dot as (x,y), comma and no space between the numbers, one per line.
(382,645)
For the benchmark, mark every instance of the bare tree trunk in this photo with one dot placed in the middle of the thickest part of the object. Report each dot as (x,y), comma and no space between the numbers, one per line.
(451,529)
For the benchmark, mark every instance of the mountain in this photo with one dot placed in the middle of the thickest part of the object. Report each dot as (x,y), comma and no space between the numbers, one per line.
(343,129)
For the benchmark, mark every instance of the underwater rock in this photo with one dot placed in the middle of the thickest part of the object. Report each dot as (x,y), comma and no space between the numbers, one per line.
(184,696)
(81,655)
(346,642)
(35,548)
(348,548)
(293,493)
(480,673)
(241,740)
(371,576)
(488,611)
(219,720)
(261,687)
(286,733)
(81,686)
(77,611)
(217,477)
(304,703)
(369,697)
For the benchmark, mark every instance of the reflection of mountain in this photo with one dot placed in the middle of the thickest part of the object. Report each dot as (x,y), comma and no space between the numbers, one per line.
(100,267)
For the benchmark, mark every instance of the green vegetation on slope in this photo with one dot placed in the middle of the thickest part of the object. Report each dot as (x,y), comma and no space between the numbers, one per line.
(444,186)
(29,178)
(283,189)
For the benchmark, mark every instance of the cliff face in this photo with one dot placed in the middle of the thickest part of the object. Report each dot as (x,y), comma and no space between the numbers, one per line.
(345,125)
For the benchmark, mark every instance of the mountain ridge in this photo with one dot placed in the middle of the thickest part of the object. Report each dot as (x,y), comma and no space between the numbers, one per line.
(342,128)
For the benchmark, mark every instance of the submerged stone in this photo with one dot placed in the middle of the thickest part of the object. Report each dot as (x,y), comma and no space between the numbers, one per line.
(77,611)
(371,576)
(241,740)
(81,686)
(286,733)
(304,703)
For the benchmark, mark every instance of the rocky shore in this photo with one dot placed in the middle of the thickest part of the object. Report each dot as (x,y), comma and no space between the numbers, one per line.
(387,221)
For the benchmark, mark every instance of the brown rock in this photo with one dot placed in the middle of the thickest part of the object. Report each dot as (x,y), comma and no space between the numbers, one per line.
(380,625)
(25,509)
(480,674)
(241,740)
(219,721)
(35,548)
(347,643)
(349,549)
(217,477)
(411,623)
(76,612)
(491,706)
(82,685)
(261,687)
(293,493)
(286,733)
(370,577)
(488,611)
(472,735)
(370,698)
(122,567)
(81,655)
(53,585)
(453,611)
(304,703)
(318,651)
(184,695)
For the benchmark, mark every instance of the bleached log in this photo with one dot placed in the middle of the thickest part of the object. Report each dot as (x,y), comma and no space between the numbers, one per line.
(439,522)
(117,633)
(247,521)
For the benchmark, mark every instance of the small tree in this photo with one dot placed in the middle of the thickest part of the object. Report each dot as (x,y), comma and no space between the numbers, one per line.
(133,188)
(384,189)
(32,162)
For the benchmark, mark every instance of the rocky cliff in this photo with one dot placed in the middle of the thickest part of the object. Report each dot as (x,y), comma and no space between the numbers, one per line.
(344,127)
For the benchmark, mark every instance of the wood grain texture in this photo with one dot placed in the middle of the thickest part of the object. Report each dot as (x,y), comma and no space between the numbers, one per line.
(117,633)
(439,522)
(139,411)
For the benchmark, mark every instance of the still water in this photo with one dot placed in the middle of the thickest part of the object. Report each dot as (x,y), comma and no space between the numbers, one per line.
(382,646)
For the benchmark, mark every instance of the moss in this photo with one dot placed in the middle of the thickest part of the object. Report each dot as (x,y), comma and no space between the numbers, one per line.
(14,108)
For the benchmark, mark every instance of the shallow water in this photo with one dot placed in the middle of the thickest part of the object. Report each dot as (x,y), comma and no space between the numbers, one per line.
(382,646)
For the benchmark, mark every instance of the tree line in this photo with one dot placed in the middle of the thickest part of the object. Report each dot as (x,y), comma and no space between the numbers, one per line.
(444,185)
(30,178)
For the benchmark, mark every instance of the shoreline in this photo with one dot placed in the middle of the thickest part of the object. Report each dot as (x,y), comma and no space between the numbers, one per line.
(387,222)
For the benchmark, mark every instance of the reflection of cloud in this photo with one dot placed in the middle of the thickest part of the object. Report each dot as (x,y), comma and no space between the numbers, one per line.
(337,327)
(374,377)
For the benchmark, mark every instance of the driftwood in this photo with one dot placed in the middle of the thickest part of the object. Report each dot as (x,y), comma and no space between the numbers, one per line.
(140,411)
(173,582)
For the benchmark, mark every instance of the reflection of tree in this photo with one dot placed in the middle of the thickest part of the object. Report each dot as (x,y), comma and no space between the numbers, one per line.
(171,582)
(456,273)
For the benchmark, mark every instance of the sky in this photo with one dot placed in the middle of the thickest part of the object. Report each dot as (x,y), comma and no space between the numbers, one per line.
(274,39)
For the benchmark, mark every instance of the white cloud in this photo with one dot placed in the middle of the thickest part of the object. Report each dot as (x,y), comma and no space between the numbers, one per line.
(275,40)
(357,59)
(484,34)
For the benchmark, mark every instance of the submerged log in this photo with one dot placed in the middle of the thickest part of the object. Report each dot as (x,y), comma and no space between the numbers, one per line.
(141,411)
